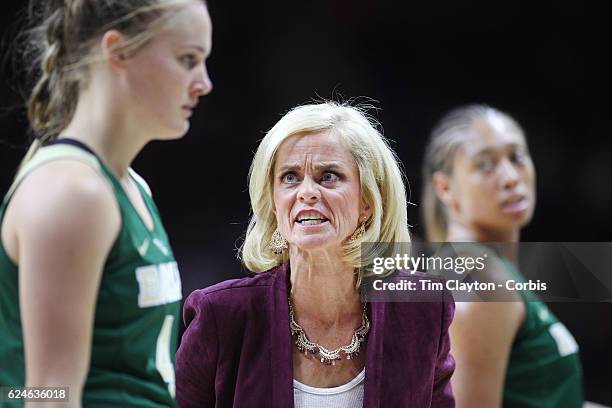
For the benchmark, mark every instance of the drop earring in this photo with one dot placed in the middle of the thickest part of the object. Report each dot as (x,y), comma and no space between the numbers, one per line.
(358,233)
(278,244)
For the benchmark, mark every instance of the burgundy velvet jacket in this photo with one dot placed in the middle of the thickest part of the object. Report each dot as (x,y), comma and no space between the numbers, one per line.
(237,349)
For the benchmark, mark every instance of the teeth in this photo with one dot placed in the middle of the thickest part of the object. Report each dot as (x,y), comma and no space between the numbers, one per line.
(310,216)
(312,222)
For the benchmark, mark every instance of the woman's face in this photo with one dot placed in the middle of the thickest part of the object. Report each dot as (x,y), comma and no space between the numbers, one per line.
(493,179)
(317,197)
(167,76)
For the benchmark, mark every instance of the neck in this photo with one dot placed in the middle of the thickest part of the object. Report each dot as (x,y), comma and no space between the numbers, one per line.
(458,232)
(323,288)
(100,122)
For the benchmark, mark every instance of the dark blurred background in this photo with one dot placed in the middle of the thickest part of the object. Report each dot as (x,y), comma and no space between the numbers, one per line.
(544,62)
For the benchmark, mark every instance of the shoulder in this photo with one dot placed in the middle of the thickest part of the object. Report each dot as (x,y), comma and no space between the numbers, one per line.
(64,212)
(418,298)
(407,286)
(234,293)
(417,276)
(492,315)
(65,194)
(55,178)
(242,285)
(433,286)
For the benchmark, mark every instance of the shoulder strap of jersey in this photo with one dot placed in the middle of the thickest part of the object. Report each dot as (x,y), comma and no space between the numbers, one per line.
(138,179)
(51,153)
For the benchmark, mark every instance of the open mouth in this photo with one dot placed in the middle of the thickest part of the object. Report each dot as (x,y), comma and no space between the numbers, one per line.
(315,221)
(308,218)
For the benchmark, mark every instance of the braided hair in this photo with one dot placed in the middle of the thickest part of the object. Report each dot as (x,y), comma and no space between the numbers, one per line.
(64,43)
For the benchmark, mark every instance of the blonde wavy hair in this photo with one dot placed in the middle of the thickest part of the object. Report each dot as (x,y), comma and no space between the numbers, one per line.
(381,180)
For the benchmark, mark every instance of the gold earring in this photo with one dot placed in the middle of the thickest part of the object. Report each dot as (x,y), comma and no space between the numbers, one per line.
(358,233)
(278,244)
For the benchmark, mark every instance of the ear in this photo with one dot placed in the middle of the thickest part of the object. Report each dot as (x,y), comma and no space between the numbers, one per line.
(112,45)
(443,190)
(365,213)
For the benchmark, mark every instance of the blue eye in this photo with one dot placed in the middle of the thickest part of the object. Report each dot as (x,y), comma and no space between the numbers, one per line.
(329,177)
(289,178)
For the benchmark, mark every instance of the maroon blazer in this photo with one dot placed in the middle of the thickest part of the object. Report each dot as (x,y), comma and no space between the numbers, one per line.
(237,349)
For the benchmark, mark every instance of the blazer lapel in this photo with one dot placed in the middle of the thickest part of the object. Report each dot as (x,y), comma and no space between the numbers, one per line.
(281,358)
(374,357)
(281,361)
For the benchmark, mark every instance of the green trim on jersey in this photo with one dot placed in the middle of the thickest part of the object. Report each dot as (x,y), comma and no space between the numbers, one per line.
(544,366)
(137,309)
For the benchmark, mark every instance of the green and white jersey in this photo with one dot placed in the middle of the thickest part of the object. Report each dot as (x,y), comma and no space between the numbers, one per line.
(137,310)
(544,367)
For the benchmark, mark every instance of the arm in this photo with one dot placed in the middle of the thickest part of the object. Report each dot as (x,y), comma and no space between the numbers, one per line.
(196,358)
(65,220)
(445,365)
(482,336)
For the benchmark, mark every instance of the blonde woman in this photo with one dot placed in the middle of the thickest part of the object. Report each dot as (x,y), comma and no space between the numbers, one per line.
(479,186)
(89,288)
(323,180)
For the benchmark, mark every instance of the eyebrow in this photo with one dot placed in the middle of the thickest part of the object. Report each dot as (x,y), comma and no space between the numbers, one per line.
(198,48)
(318,167)
(492,150)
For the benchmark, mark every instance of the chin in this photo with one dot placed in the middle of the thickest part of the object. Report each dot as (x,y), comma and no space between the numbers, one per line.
(173,133)
(507,223)
(311,243)
(521,219)
(523,222)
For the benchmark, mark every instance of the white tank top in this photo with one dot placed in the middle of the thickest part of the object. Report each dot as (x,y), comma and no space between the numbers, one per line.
(349,395)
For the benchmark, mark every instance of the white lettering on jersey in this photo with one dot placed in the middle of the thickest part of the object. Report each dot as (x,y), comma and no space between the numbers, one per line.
(158,284)
(142,249)
(161,246)
(163,362)
(564,339)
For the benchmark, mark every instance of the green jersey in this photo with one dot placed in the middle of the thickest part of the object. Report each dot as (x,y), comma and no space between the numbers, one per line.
(544,367)
(135,324)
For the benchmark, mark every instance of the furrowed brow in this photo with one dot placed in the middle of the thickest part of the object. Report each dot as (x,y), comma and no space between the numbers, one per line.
(328,166)
(288,167)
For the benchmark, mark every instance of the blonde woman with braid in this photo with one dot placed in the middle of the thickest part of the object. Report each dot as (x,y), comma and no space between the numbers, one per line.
(479,186)
(89,288)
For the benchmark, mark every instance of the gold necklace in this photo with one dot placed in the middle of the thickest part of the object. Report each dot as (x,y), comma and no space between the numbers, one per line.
(327,356)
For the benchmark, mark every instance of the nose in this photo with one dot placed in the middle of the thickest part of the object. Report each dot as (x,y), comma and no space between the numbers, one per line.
(308,191)
(509,176)
(202,85)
